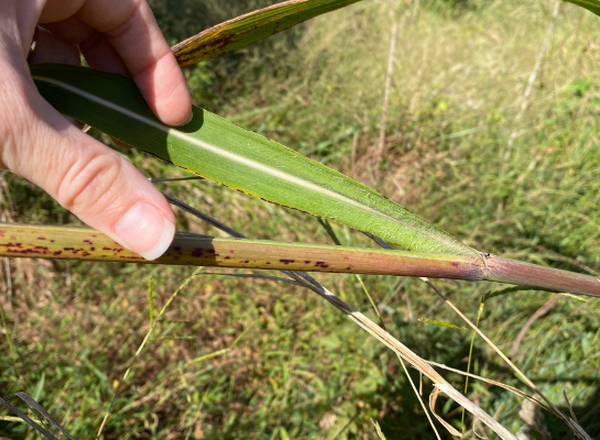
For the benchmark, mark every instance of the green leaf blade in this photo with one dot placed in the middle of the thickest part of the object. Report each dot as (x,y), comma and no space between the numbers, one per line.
(250,28)
(590,5)
(221,151)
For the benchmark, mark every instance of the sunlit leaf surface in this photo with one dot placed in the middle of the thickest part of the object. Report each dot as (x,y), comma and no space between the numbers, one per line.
(217,149)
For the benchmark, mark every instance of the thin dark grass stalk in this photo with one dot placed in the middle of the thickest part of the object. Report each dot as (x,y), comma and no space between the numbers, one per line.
(254,276)
(202,216)
(327,226)
(27,419)
(347,425)
(35,406)
(378,240)
(299,276)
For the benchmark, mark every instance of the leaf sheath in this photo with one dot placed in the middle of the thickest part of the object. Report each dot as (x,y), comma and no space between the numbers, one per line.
(197,250)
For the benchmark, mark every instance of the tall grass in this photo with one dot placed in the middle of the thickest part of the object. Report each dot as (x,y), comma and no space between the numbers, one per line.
(299,369)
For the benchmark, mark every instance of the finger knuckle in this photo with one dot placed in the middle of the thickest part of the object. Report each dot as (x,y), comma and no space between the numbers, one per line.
(90,182)
(120,18)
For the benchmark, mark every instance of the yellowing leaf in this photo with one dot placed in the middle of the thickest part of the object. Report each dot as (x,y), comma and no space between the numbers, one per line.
(250,28)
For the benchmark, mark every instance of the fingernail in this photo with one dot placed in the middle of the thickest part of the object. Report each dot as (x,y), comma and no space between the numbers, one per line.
(146,231)
(188,119)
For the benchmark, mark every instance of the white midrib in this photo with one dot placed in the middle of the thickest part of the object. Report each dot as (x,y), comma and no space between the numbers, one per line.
(229,155)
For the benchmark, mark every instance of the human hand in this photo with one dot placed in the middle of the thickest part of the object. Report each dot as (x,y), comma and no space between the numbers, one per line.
(94,182)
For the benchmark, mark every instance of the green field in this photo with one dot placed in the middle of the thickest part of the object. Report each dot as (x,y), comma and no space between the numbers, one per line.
(236,357)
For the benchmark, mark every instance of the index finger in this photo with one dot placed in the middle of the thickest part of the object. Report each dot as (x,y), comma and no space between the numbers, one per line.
(130,27)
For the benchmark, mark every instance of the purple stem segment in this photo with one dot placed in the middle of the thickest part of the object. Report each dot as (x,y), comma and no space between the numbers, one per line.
(509,271)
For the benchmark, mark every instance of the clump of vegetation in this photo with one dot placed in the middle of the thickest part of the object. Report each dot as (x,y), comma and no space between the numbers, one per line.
(232,356)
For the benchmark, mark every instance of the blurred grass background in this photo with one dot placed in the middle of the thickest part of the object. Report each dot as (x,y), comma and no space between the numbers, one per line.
(237,358)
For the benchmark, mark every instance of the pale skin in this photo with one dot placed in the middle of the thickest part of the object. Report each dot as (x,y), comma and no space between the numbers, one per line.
(91,180)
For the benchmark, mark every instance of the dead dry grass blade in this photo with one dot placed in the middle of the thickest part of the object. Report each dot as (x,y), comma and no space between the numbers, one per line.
(385,245)
(531,81)
(378,157)
(418,394)
(572,424)
(400,349)
(495,383)
(421,365)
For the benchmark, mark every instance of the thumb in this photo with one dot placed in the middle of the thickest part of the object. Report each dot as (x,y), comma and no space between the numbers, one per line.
(89,179)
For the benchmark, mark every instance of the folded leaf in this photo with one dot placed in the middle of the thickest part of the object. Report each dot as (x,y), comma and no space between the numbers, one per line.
(219,150)
(250,28)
